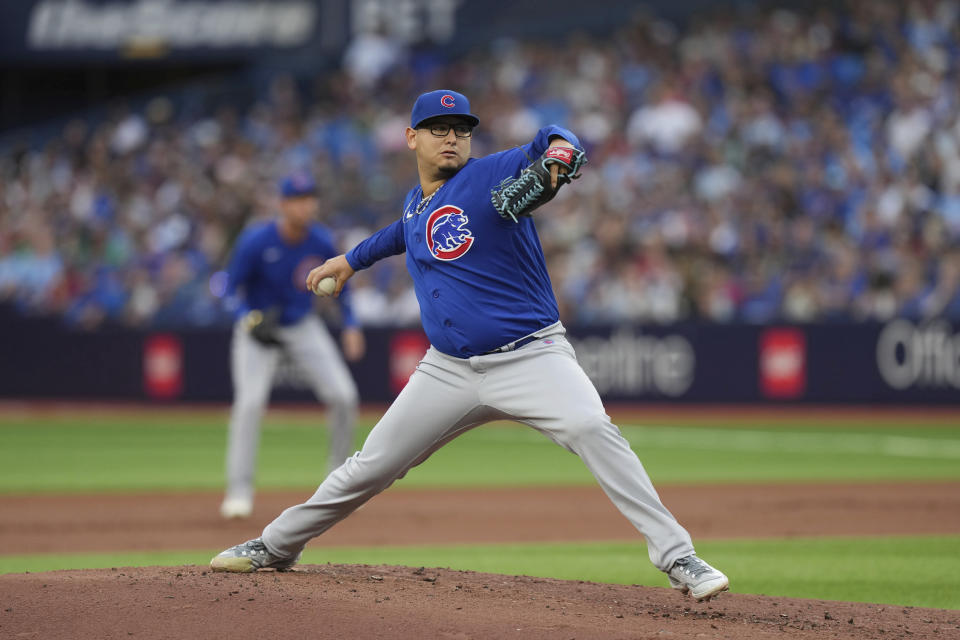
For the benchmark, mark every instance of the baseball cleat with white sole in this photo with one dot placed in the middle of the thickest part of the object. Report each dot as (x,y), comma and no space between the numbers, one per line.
(236,508)
(250,556)
(692,575)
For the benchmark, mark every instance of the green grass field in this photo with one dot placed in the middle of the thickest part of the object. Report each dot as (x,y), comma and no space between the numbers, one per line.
(176,450)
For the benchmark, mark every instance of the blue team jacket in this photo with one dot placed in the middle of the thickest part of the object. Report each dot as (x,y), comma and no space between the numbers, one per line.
(272,273)
(481,281)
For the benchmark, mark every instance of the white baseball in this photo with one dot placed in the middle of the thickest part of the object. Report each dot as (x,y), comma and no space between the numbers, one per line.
(326,286)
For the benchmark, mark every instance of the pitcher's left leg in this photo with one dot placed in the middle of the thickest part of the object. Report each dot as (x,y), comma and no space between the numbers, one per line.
(544,386)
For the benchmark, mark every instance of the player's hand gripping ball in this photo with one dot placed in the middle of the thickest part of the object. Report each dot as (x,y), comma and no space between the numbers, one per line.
(326,286)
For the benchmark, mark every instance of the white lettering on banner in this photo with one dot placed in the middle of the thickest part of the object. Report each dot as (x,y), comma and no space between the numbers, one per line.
(783,362)
(76,24)
(632,364)
(408,21)
(927,356)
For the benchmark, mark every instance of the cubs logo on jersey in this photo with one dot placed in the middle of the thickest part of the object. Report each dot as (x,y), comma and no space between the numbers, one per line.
(448,237)
(303,268)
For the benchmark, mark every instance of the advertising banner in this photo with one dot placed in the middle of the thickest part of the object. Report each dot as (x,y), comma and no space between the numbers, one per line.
(77,31)
(121,31)
(900,362)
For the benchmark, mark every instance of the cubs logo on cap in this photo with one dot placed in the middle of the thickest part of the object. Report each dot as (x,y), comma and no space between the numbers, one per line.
(298,184)
(442,102)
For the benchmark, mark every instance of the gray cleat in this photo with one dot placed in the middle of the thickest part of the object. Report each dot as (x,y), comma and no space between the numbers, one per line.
(694,576)
(250,556)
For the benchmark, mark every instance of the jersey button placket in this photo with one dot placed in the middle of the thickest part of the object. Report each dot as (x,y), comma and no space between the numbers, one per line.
(436,293)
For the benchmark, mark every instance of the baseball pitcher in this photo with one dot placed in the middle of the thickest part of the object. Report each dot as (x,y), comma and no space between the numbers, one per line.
(497,350)
(266,281)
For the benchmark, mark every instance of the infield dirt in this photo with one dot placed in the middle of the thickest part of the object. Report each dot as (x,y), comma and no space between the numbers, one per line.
(353,602)
(358,601)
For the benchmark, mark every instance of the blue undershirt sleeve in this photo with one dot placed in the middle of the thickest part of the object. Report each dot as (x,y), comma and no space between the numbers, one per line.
(382,244)
(512,161)
(541,141)
(238,271)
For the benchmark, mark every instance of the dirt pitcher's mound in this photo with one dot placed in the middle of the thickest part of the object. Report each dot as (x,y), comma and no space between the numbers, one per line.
(349,602)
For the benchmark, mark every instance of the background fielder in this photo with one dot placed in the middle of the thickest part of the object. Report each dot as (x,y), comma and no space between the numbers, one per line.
(275,318)
(497,346)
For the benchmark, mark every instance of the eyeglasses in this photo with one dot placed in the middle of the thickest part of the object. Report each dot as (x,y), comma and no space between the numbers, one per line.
(442,129)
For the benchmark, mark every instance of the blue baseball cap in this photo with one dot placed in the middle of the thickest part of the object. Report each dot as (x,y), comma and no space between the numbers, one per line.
(442,102)
(297,185)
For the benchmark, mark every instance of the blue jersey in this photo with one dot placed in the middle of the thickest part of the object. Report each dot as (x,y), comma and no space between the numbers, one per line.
(481,280)
(273,273)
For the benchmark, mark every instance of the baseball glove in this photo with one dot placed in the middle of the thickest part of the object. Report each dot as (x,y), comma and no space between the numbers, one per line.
(263,326)
(521,196)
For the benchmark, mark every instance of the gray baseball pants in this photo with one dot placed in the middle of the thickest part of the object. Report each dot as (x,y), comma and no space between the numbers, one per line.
(310,346)
(541,385)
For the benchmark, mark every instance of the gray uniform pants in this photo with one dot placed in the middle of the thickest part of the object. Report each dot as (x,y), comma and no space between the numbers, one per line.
(309,345)
(541,385)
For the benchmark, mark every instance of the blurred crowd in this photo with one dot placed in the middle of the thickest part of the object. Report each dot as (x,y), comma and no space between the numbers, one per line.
(772,166)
